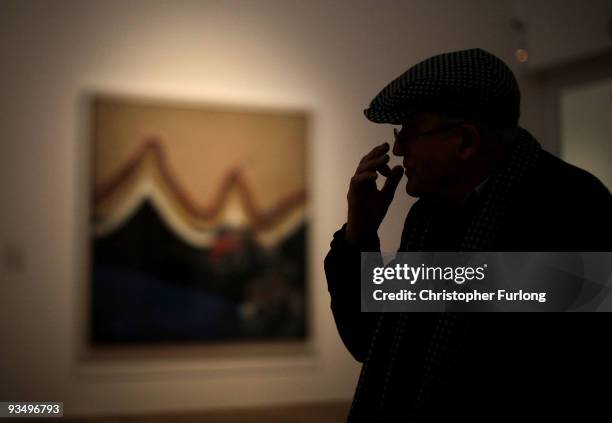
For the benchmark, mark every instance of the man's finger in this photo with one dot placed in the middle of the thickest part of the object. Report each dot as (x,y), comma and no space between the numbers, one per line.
(373,164)
(363,177)
(385,170)
(376,151)
(392,182)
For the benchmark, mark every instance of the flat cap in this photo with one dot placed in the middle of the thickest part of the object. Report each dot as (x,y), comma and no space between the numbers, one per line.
(470,84)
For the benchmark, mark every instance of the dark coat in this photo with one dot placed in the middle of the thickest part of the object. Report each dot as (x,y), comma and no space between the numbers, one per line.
(514,363)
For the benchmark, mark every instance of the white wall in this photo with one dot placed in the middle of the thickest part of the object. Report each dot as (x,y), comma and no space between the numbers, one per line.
(330,57)
(586,128)
(567,42)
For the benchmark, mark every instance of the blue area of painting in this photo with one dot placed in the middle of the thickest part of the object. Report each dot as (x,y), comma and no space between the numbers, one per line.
(131,306)
(150,286)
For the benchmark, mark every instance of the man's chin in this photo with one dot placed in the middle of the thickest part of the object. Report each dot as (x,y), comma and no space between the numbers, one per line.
(413,190)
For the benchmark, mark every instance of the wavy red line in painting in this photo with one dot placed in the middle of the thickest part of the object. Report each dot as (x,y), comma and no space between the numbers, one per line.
(260,219)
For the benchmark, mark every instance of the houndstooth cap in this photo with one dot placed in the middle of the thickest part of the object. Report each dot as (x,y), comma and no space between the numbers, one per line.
(471,84)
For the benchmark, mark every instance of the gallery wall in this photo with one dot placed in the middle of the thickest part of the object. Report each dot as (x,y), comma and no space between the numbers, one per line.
(569,42)
(326,57)
(560,31)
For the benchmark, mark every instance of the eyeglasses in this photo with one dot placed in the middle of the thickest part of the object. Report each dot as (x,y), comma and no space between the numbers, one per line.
(398,137)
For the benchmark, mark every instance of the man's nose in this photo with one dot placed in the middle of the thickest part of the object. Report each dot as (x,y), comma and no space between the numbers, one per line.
(397,151)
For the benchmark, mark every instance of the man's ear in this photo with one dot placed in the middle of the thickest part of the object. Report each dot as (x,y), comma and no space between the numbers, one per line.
(470,141)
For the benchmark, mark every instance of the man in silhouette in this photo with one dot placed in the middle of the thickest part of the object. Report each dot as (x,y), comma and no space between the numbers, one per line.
(483,183)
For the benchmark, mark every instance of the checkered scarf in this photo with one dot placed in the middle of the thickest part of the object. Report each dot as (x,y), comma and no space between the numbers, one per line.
(444,340)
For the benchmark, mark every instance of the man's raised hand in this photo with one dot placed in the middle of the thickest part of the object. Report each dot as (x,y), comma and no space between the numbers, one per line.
(367,205)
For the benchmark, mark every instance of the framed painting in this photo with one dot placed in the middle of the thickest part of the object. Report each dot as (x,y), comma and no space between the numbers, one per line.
(198,224)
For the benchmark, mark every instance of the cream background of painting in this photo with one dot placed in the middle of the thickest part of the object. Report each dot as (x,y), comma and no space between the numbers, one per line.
(326,57)
(202,145)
